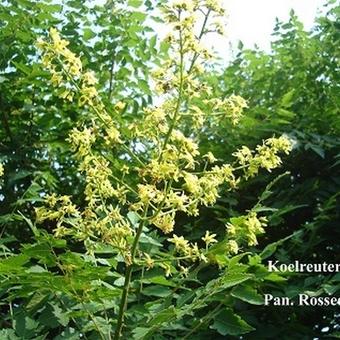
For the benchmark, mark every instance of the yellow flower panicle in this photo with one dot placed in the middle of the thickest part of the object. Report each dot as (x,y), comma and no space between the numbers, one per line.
(265,156)
(172,175)
(245,229)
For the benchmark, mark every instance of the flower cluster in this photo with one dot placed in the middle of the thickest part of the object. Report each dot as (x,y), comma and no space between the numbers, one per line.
(169,175)
(67,75)
(187,249)
(187,45)
(266,155)
(107,224)
(245,229)
(57,53)
(1,170)
(231,108)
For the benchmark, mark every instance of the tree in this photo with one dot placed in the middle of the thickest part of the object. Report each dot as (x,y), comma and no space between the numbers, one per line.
(107,201)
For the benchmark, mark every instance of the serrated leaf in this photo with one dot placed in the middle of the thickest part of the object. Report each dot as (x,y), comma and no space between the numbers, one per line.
(61,315)
(275,277)
(285,113)
(149,240)
(119,282)
(142,84)
(331,289)
(229,323)
(163,316)
(139,16)
(13,263)
(247,294)
(8,334)
(133,218)
(25,327)
(140,332)
(232,279)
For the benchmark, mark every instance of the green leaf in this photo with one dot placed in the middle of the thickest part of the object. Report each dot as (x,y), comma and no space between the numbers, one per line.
(331,289)
(247,294)
(139,16)
(36,301)
(160,280)
(120,282)
(133,218)
(269,250)
(25,327)
(143,85)
(47,317)
(228,323)
(135,3)
(275,277)
(149,240)
(316,148)
(163,316)
(13,263)
(88,34)
(140,332)
(285,113)
(234,261)
(287,99)
(232,279)
(158,291)
(61,315)
(22,67)
(69,334)
(8,334)
(49,7)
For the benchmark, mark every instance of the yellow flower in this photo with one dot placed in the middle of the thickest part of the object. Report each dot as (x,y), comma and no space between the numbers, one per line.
(184,271)
(89,79)
(167,268)
(210,157)
(191,182)
(1,170)
(231,229)
(164,222)
(119,106)
(181,244)
(81,141)
(113,135)
(125,169)
(186,5)
(51,200)
(232,247)
(209,238)
(149,261)
(56,79)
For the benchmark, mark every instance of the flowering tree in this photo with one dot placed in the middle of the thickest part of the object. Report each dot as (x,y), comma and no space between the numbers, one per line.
(172,177)
(139,174)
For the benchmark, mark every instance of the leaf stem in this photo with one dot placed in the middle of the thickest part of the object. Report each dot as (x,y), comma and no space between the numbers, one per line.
(128,273)
(206,319)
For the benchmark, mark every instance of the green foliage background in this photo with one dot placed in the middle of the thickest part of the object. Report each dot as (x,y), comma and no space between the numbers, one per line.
(293,90)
